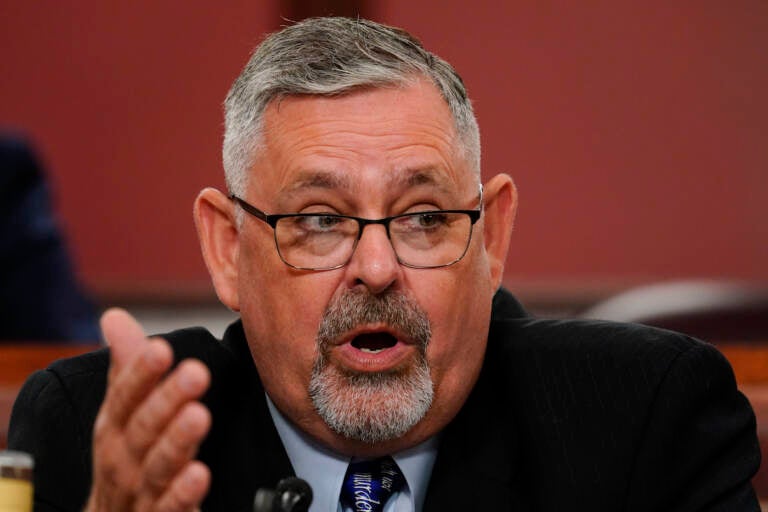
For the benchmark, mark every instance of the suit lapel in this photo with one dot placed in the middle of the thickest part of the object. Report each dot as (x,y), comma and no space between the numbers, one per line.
(478,465)
(243,449)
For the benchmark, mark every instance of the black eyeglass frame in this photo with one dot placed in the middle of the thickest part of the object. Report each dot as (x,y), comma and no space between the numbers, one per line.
(272,220)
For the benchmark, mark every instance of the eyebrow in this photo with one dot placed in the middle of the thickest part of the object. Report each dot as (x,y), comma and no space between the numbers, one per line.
(319,179)
(420,176)
(336,180)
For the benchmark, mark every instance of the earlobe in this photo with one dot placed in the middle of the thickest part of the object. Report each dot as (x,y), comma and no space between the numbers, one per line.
(219,242)
(500,196)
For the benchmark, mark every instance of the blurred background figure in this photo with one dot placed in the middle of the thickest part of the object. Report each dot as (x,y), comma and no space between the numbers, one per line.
(40,298)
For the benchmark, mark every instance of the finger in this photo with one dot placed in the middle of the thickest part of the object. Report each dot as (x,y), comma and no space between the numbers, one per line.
(123,334)
(176,447)
(129,387)
(187,490)
(187,382)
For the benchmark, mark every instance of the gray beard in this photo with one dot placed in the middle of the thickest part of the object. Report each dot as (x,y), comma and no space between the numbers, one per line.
(379,406)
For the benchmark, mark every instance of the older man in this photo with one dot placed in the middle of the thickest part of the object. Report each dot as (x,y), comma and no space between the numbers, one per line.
(374,349)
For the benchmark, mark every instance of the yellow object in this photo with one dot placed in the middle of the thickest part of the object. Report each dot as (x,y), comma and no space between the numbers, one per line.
(15,495)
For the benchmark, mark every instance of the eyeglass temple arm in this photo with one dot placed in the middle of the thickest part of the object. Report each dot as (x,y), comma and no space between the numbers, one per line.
(480,187)
(250,209)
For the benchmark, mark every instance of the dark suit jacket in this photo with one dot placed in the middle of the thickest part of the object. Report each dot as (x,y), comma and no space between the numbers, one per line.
(566,415)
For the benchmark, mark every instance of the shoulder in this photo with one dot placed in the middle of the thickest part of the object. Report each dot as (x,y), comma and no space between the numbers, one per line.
(593,342)
(80,382)
(612,372)
(193,342)
(603,347)
(643,408)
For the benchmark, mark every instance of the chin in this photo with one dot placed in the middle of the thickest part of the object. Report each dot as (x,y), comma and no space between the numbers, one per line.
(371,407)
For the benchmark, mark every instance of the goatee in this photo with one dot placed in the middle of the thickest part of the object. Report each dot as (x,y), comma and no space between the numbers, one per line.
(372,406)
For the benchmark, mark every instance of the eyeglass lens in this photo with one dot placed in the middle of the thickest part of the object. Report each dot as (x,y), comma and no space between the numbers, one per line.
(428,239)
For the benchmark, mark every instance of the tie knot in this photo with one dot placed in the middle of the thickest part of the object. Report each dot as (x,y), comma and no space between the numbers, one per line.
(370,483)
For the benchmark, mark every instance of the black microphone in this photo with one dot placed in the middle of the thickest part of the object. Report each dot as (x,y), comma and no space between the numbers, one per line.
(291,495)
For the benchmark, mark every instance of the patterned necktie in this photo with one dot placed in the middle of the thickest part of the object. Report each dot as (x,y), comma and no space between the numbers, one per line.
(370,483)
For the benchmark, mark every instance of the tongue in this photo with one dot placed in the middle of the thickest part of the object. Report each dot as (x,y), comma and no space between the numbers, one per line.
(374,342)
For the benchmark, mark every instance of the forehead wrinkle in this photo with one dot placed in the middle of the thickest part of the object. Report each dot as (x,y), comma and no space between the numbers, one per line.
(398,179)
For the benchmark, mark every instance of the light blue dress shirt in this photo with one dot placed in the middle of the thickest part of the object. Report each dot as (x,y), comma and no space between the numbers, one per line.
(324,470)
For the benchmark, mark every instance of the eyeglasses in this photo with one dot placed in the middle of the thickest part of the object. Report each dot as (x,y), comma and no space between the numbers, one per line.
(326,241)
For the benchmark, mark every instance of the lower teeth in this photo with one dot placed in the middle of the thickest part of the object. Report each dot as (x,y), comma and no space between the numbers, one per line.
(372,350)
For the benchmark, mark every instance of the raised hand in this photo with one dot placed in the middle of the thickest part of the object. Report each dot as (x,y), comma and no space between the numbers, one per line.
(149,427)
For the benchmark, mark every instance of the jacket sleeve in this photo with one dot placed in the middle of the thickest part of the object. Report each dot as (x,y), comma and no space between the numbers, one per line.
(699,449)
(47,424)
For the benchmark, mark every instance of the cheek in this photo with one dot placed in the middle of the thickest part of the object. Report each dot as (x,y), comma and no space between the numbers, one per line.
(282,344)
(458,347)
(281,313)
(274,300)
(460,308)
(282,323)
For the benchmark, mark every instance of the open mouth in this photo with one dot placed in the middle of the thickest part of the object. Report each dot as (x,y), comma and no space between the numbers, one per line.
(374,342)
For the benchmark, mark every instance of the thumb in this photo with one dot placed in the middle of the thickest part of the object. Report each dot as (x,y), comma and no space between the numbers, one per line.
(123,334)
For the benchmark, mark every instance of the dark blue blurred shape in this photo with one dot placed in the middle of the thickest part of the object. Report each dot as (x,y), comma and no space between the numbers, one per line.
(40,299)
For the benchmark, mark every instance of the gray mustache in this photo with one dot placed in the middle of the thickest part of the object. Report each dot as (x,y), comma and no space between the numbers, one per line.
(356,308)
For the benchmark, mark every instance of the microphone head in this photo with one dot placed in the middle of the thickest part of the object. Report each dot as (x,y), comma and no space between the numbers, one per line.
(294,494)
(265,501)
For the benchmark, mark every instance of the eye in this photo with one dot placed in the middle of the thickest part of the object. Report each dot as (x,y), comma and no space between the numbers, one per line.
(430,220)
(421,222)
(321,222)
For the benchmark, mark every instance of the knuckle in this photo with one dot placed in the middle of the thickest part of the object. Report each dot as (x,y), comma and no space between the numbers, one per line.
(121,481)
(142,429)
(101,428)
(187,490)
(175,501)
(117,397)
(163,464)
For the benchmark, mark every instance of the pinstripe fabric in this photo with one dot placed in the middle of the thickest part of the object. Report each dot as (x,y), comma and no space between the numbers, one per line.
(572,415)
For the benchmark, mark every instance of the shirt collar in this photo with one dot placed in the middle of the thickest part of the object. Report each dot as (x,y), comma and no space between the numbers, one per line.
(324,469)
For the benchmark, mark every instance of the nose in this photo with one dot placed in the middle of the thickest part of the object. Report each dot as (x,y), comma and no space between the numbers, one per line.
(374,263)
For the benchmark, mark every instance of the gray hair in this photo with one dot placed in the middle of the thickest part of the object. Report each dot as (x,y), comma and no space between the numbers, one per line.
(331,56)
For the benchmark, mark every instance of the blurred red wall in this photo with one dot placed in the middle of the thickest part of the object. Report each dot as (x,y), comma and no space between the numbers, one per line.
(637,133)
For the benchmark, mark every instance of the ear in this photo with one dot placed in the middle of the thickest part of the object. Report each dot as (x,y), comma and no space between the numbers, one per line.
(500,198)
(220,244)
